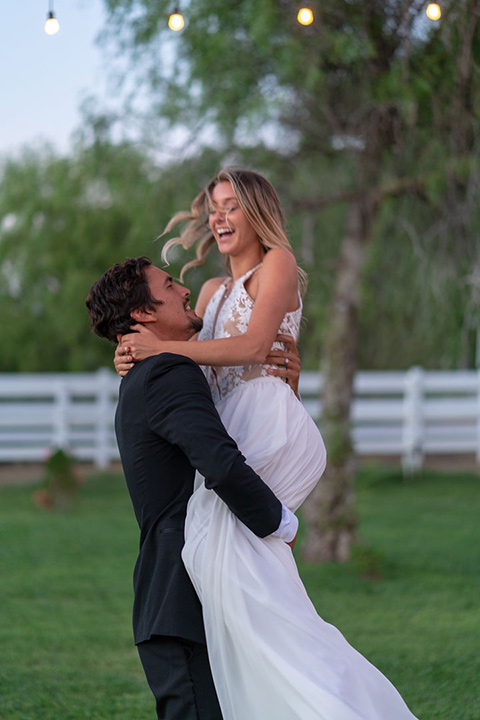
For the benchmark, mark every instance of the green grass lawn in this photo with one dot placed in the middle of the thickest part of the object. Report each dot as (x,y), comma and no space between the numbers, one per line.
(67,652)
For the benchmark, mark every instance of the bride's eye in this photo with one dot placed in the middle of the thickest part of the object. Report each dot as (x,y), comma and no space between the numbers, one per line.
(222,211)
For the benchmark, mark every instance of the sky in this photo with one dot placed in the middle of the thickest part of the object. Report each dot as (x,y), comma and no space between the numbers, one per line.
(44,79)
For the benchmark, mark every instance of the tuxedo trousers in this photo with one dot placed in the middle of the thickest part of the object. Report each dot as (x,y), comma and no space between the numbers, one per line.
(178,673)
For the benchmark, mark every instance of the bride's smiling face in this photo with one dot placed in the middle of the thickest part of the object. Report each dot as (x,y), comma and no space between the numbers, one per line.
(231,229)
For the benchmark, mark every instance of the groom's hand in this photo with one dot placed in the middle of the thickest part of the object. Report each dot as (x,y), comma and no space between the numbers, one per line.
(292,542)
(287,361)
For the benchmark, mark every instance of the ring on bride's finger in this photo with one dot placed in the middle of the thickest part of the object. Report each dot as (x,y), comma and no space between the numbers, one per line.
(286,362)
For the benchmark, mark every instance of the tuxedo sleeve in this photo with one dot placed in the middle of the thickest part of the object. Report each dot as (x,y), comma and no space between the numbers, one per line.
(180,408)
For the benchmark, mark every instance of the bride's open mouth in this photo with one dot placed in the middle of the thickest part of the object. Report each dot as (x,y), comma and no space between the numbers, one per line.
(224,233)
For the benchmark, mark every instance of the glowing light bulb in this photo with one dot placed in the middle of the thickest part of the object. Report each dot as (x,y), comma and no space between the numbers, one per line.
(305,16)
(52,26)
(433,11)
(176,21)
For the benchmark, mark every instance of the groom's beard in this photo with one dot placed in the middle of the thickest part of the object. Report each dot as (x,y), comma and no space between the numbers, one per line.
(196,323)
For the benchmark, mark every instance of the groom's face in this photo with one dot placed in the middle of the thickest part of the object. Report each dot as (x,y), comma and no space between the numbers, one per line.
(173,318)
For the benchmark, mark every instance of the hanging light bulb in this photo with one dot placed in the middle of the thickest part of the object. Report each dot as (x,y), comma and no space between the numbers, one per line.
(305,16)
(52,26)
(433,11)
(176,21)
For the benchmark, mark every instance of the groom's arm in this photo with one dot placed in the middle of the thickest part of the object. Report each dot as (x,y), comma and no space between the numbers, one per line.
(180,409)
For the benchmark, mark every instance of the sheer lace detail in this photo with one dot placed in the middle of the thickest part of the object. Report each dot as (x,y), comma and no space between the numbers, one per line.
(227,315)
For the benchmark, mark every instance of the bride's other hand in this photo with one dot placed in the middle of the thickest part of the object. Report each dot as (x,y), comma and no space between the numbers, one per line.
(287,361)
(134,347)
(142,343)
(123,361)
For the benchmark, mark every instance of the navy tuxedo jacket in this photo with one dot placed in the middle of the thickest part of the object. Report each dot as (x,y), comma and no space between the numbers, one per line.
(167,427)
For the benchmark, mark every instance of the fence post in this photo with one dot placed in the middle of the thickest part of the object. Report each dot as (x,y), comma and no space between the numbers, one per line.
(102,457)
(413,428)
(60,416)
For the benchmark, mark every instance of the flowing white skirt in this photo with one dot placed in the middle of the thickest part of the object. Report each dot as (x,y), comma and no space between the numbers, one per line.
(272,656)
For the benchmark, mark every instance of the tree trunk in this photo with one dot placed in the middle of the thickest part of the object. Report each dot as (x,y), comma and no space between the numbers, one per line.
(463,103)
(329,512)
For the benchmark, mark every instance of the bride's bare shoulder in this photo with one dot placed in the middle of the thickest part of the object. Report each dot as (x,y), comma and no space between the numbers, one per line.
(206,293)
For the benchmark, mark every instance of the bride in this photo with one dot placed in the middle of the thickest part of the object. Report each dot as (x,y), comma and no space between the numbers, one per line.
(272,655)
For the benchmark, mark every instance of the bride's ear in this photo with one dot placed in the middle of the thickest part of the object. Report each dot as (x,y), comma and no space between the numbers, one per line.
(143,315)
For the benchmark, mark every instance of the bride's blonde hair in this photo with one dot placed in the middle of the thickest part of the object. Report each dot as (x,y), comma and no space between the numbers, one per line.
(258,200)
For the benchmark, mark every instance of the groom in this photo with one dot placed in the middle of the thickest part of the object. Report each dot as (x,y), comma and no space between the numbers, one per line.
(167,427)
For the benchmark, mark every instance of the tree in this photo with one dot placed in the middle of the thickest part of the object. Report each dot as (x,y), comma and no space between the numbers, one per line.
(63,222)
(368,111)
(385,104)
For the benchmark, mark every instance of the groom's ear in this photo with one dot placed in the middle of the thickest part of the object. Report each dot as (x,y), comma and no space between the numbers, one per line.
(143,315)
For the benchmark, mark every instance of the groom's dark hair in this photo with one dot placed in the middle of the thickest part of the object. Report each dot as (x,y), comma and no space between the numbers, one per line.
(120,291)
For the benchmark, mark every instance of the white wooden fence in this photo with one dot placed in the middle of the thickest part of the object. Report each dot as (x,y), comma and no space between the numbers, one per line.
(406,414)
(74,411)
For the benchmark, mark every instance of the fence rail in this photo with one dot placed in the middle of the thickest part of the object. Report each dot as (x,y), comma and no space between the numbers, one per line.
(407,414)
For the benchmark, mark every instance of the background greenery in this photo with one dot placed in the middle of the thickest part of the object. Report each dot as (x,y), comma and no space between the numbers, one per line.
(409,598)
(371,105)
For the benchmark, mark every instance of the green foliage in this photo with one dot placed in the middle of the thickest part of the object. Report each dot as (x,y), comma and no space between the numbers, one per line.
(361,101)
(367,96)
(68,219)
(413,304)
(64,221)
(59,483)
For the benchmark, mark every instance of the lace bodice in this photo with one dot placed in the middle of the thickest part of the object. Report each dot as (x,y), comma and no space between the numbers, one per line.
(227,315)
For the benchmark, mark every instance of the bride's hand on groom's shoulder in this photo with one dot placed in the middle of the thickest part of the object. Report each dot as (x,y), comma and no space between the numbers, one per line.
(288,363)
(122,360)
(136,346)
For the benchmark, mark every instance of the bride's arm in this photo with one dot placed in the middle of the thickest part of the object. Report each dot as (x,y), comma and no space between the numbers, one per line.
(123,360)
(277,287)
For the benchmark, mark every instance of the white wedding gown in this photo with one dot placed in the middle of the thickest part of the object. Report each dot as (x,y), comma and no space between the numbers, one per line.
(272,655)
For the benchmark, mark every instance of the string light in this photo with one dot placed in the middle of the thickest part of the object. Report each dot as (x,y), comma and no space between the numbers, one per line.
(52,26)
(433,11)
(305,16)
(176,21)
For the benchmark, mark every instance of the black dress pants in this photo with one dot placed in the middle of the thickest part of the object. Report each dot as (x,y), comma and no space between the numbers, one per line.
(178,673)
